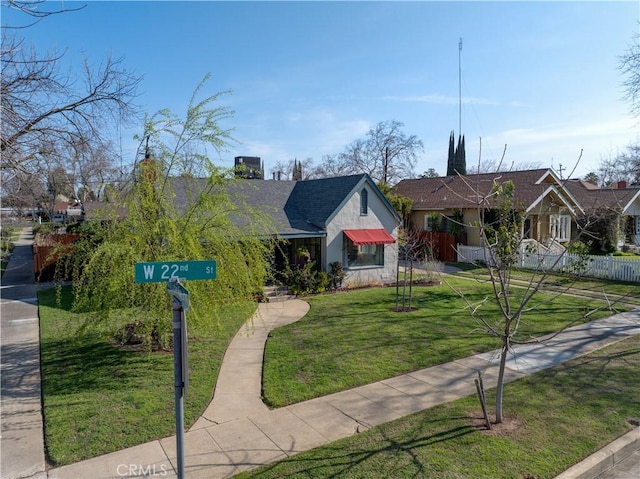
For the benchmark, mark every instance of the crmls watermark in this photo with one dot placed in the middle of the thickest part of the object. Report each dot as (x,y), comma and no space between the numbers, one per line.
(140,470)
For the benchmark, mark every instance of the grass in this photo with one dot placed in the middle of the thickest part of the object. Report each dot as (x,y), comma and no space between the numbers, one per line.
(352,339)
(592,286)
(7,237)
(554,419)
(99,397)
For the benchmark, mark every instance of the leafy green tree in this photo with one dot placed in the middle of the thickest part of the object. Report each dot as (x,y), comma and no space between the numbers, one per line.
(207,224)
(456,161)
(461,156)
(591,177)
(430,173)
(451,165)
(400,203)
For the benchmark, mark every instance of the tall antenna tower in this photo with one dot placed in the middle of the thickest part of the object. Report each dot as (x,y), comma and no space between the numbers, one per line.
(460,87)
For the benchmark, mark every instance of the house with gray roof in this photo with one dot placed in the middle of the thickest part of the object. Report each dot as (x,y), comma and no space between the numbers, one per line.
(343,219)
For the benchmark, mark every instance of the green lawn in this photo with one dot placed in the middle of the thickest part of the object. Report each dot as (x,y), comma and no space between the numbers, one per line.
(99,397)
(554,419)
(355,338)
(7,237)
(559,282)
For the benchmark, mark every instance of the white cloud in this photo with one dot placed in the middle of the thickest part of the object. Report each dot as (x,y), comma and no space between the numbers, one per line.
(552,133)
(561,144)
(441,99)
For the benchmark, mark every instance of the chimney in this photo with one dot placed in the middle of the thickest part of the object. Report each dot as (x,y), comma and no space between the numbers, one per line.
(622,184)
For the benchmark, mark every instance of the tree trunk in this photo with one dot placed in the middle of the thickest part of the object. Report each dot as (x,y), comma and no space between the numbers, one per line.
(410,283)
(500,385)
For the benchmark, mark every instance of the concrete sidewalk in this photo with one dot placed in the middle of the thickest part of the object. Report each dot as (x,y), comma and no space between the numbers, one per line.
(22,439)
(238,432)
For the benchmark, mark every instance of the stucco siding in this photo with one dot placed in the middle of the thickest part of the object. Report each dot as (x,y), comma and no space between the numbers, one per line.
(349,217)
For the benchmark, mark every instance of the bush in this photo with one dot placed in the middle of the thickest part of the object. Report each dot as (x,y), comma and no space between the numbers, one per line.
(337,274)
(578,247)
(44,228)
(306,279)
(322,282)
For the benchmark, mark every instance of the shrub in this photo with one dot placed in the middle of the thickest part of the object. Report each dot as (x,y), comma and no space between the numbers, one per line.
(337,274)
(306,279)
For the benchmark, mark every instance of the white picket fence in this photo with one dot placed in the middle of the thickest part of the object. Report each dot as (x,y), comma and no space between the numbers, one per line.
(607,267)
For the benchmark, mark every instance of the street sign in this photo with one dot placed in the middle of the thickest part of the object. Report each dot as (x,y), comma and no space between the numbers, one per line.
(161,271)
(172,272)
(179,292)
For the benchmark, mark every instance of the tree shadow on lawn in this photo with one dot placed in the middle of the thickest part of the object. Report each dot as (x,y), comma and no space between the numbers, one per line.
(395,455)
(90,363)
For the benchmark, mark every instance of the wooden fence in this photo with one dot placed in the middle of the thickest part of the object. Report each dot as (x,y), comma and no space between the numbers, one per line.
(441,246)
(44,256)
(611,267)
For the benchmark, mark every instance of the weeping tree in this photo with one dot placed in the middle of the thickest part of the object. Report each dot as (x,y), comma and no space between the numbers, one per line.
(162,223)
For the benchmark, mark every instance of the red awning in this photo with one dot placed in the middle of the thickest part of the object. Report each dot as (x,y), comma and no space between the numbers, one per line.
(377,236)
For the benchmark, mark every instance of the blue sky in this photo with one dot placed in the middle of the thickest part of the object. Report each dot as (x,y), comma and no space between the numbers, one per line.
(307,78)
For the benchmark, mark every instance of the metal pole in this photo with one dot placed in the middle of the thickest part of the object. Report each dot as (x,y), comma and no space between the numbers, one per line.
(460,88)
(178,313)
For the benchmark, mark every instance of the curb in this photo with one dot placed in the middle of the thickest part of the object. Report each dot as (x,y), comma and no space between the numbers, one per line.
(606,458)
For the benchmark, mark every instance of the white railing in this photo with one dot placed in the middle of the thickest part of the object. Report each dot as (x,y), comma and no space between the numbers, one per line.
(607,267)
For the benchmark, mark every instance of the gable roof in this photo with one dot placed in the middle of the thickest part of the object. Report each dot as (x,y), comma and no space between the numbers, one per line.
(591,197)
(99,210)
(470,191)
(318,201)
(297,208)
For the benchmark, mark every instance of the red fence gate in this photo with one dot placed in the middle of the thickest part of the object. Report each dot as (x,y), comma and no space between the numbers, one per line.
(439,246)
(44,257)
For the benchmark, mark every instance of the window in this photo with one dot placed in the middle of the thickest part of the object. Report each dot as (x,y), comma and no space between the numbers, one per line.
(364,207)
(432,221)
(363,255)
(560,227)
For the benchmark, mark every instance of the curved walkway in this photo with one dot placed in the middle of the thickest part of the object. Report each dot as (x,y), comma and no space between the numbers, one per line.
(238,391)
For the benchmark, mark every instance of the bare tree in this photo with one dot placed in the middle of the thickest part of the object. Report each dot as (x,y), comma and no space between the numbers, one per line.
(630,67)
(622,166)
(331,166)
(285,169)
(43,108)
(386,154)
(35,11)
(503,232)
(91,166)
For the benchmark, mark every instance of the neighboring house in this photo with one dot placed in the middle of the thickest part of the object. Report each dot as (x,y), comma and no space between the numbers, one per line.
(452,203)
(67,211)
(103,211)
(621,199)
(343,219)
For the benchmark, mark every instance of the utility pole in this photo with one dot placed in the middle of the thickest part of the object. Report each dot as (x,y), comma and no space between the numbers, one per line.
(460,87)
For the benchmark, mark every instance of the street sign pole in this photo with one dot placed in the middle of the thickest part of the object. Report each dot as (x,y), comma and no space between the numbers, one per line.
(171,272)
(179,380)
